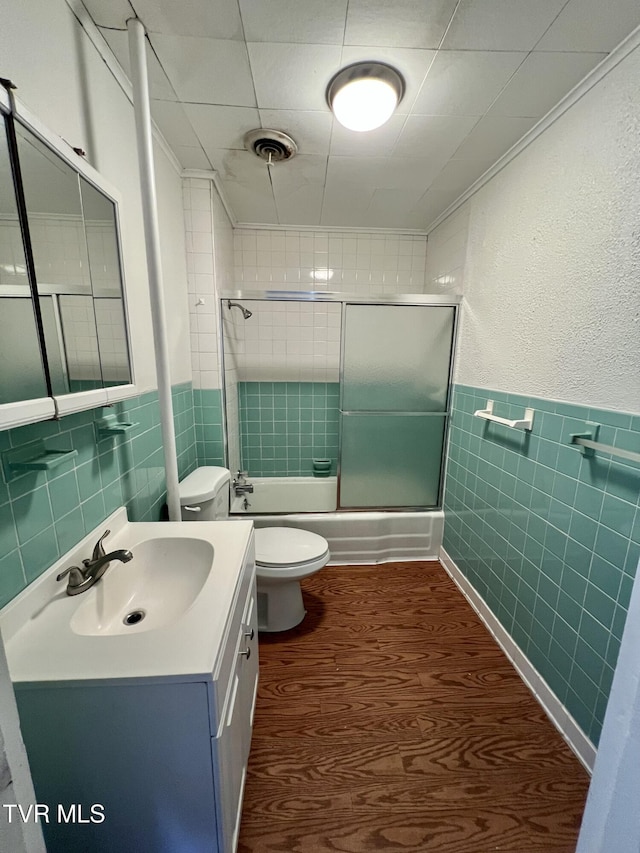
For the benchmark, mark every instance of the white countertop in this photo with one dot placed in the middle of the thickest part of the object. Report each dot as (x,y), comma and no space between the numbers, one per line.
(41,645)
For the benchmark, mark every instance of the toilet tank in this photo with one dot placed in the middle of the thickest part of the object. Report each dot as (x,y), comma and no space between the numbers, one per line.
(204,494)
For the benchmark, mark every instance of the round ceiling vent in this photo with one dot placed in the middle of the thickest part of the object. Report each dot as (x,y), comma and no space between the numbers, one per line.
(272,146)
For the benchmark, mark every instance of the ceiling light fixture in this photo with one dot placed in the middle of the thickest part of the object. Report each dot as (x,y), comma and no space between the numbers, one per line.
(364,96)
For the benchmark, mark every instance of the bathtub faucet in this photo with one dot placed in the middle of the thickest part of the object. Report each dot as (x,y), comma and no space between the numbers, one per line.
(240,485)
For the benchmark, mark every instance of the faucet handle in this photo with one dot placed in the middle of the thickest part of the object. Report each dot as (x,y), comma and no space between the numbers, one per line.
(98,550)
(76,577)
(241,476)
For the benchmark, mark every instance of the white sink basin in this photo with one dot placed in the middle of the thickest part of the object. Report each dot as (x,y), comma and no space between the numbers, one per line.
(155,588)
(183,576)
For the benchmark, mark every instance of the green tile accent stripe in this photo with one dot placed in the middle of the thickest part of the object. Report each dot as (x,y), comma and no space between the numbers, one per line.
(207,404)
(548,538)
(284,426)
(45,513)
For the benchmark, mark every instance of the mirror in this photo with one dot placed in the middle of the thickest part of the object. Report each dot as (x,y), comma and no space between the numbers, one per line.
(19,343)
(74,241)
(65,331)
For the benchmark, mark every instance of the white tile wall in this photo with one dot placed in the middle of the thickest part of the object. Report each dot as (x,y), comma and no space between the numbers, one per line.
(60,253)
(112,339)
(447,254)
(104,260)
(209,269)
(285,342)
(80,337)
(341,261)
(12,264)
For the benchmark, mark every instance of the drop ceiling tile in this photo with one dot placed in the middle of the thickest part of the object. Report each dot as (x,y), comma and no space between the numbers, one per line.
(206,71)
(409,173)
(436,137)
(541,81)
(298,188)
(192,158)
(112,14)
(174,124)
(374,143)
(219,20)
(310,130)
(591,25)
(500,24)
(411,63)
(292,76)
(492,137)
(431,205)
(298,21)
(458,175)
(221,127)
(159,84)
(401,23)
(247,186)
(465,82)
(344,204)
(392,209)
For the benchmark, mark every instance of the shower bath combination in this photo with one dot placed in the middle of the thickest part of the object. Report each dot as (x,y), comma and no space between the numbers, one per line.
(374,404)
(245,311)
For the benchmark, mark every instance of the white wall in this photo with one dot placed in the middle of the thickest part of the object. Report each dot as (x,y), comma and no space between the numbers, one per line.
(62,79)
(551,281)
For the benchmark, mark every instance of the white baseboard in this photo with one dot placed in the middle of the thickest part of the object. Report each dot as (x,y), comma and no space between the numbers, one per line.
(551,705)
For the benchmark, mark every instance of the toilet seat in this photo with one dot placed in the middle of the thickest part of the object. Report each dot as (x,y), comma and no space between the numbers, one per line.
(281,547)
(285,553)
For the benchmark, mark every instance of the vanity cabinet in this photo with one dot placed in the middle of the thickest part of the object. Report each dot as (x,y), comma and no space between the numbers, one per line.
(152,765)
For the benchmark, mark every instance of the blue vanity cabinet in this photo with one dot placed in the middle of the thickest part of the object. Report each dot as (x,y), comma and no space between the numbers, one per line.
(152,765)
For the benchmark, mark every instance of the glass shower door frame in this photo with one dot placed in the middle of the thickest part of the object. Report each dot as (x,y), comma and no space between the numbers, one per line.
(417,299)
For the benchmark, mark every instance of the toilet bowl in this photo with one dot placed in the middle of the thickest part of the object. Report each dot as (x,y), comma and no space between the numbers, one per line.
(284,555)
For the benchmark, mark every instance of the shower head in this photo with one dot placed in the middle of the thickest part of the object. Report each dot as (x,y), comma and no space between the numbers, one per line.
(245,311)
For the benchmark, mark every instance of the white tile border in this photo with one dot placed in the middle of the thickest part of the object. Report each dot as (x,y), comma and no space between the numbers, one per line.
(542,693)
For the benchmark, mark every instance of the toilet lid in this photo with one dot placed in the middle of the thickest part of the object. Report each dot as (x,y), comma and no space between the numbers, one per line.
(286,546)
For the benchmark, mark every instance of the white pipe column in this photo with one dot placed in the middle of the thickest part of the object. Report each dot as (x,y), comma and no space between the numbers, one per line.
(142,112)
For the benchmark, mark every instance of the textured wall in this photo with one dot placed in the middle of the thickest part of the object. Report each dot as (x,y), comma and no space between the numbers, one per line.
(553,259)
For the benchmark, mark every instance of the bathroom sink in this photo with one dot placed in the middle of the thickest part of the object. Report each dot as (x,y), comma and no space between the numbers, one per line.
(177,592)
(155,588)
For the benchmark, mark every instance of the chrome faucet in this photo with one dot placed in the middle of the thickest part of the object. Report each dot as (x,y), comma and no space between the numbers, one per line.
(80,580)
(240,485)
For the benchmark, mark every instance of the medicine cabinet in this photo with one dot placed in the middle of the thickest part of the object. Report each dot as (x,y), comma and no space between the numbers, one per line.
(64,340)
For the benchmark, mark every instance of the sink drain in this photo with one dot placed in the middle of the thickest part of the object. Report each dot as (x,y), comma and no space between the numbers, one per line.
(134,617)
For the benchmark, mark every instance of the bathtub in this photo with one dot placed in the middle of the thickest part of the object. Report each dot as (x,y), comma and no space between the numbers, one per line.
(354,537)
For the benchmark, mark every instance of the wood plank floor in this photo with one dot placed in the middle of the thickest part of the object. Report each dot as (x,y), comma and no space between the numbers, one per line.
(391,721)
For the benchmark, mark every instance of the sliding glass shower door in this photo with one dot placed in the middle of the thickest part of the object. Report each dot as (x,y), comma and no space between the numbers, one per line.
(395,386)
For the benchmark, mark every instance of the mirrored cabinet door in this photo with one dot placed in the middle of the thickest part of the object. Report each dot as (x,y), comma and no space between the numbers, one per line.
(22,371)
(63,322)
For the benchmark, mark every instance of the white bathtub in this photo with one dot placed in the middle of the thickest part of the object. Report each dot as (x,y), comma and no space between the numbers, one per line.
(354,537)
(289,494)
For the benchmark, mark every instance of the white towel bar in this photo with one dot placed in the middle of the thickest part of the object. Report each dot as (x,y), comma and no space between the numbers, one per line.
(487,415)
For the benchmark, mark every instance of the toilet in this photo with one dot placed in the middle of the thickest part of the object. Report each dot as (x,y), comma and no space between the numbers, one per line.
(284,555)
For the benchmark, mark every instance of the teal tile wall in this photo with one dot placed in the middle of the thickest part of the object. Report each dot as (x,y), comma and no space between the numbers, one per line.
(550,539)
(207,405)
(44,514)
(285,425)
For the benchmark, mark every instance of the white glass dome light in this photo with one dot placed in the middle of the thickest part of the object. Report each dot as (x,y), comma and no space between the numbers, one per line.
(365,95)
